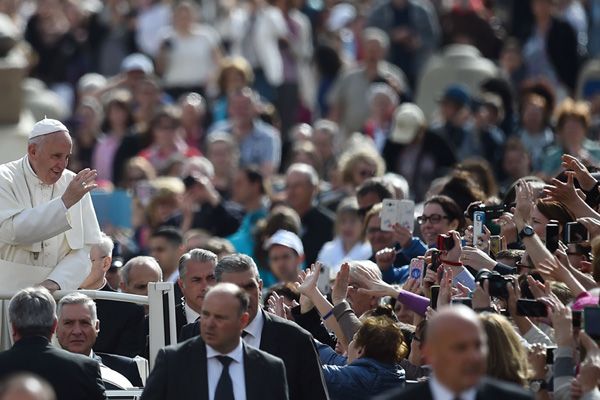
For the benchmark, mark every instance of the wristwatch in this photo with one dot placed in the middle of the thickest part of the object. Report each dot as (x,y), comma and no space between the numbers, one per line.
(527,231)
(537,385)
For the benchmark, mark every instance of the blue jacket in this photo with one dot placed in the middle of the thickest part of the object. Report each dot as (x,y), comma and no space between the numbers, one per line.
(361,379)
(398,273)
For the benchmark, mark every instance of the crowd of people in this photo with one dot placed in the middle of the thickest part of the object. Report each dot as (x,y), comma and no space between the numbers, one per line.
(260,146)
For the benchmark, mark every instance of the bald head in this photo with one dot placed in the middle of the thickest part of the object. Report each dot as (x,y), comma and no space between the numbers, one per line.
(456,347)
(230,290)
(26,387)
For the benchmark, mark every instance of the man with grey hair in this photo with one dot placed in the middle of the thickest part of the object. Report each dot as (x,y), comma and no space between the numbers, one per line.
(32,315)
(138,272)
(47,218)
(196,277)
(301,189)
(122,323)
(276,336)
(348,100)
(77,330)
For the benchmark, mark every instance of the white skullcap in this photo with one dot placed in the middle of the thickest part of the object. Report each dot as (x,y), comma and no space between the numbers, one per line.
(46,126)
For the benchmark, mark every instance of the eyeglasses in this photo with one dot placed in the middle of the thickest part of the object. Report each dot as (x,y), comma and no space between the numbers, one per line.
(97,259)
(366,173)
(433,218)
(519,264)
(416,338)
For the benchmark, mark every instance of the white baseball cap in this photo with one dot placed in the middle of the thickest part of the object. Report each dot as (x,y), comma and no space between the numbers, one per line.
(287,239)
(137,62)
(46,126)
(408,121)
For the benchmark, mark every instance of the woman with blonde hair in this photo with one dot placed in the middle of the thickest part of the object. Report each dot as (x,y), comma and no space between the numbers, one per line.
(507,357)
(359,164)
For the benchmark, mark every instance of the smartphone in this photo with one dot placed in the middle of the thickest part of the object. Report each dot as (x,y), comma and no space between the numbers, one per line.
(445,242)
(416,270)
(400,212)
(463,300)
(478,222)
(389,214)
(552,237)
(591,322)
(435,260)
(435,291)
(531,308)
(550,355)
(576,318)
(575,232)
(496,245)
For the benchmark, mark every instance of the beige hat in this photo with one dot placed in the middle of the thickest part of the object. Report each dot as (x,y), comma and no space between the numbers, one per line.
(46,126)
(408,121)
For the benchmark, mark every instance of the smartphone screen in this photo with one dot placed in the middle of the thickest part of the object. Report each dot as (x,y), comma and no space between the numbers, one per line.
(591,322)
(550,355)
(478,222)
(435,291)
(531,308)
(552,237)
(463,300)
(576,318)
(435,260)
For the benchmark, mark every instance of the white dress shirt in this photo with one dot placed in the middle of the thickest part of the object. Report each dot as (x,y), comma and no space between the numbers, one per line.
(236,371)
(254,330)
(441,392)
(190,315)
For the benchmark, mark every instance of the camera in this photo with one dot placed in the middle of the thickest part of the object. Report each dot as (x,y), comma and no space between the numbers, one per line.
(491,212)
(496,283)
(575,232)
(445,242)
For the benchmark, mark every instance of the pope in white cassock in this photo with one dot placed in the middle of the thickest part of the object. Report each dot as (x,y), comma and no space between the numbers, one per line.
(47,220)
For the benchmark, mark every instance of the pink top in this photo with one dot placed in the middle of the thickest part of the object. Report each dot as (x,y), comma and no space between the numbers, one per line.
(103,156)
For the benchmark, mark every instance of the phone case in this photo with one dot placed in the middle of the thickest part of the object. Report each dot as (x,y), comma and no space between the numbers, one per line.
(389,214)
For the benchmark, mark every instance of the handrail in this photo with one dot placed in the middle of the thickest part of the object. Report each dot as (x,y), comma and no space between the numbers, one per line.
(103,295)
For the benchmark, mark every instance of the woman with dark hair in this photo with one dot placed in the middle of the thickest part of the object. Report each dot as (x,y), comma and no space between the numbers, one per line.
(440,215)
(117,124)
(463,189)
(373,366)
(546,210)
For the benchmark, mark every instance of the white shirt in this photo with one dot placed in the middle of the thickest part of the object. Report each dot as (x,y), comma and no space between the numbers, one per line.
(441,392)
(190,315)
(187,53)
(236,371)
(332,254)
(254,330)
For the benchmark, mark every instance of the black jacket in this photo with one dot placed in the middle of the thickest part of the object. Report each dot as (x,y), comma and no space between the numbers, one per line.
(73,376)
(295,346)
(488,389)
(180,372)
(121,327)
(317,229)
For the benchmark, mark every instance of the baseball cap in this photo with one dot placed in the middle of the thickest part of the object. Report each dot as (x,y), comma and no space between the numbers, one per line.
(458,94)
(137,62)
(287,239)
(408,120)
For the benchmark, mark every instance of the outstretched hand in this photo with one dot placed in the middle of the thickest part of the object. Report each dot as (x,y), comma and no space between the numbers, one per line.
(83,183)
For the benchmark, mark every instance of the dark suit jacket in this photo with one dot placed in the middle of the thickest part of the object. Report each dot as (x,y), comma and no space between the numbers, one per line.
(124,365)
(121,327)
(488,389)
(180,372)
(295,347)
(73,376)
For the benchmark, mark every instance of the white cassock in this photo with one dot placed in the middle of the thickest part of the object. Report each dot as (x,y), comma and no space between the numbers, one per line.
(39,238)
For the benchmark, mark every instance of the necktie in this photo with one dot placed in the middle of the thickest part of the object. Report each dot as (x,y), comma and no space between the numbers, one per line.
(224,386)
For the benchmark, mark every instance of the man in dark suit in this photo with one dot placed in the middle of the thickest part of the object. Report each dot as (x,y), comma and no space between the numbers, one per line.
(122,330)
(218,365)
(32,313)
(456,347)
(276,336)
(196,276)
(77,331)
